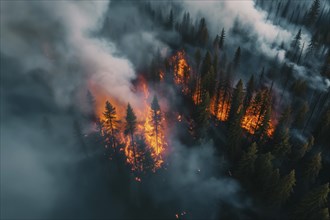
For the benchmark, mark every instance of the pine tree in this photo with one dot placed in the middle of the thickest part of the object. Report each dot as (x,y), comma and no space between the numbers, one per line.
(156,119)
(111,122)
(235,135)
(284,121)
(222,39)
(237,101)
(130,128)
(170,20)
(313,45)
(282,145)
(312,203)
(266,176)
(246,165)
(295,45)
(261,132)
(144,158)
(303,148)
(209,82)
(284,189)
(202,34)
(202,115)
(312,168)
(301,116)
(313,12)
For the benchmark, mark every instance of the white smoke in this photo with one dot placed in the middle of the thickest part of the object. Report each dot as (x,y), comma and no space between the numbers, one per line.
(62,34)
(223,14)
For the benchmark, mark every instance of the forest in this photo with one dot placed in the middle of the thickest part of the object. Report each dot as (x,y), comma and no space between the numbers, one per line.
(167,110)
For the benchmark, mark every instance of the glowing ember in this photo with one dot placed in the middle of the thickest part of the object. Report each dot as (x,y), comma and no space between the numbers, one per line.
(155,138)
(220,108)
(181,70)
(254,117)
(197,93)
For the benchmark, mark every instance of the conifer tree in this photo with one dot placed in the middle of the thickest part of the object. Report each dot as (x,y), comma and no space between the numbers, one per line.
(312,168)
(261,132)
(235,135)
(312,203)
(301,115)
(284,189)
(202,115)
(209,82)
(313,45)
(313,12)
(202,33)
(284,120)
(295,45)
(111,122)
(156,118)
(303,148)
(170,20)
(237,101)
(144,158)
(130,128)
(282,145)
(266,176)
(246,165)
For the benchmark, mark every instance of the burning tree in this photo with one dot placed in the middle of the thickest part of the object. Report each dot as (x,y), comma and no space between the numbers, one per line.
(110,124)
(257,115)
(154,132)
(130,129)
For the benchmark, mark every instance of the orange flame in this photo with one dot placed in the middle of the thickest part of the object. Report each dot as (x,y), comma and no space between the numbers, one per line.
(181,70)
(155,144)
(221,109)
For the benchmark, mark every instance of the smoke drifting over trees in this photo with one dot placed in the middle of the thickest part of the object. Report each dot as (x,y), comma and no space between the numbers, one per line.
(165,110)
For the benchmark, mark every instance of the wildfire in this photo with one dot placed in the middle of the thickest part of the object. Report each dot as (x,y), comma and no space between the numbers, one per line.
(197,93)
(220,108)
(155,137)
(251,123)
(181,70)
(254,116)
(146,148)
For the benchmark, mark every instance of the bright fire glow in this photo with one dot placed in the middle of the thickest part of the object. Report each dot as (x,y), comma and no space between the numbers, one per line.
(181,70)
(155,143)
(221,109)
